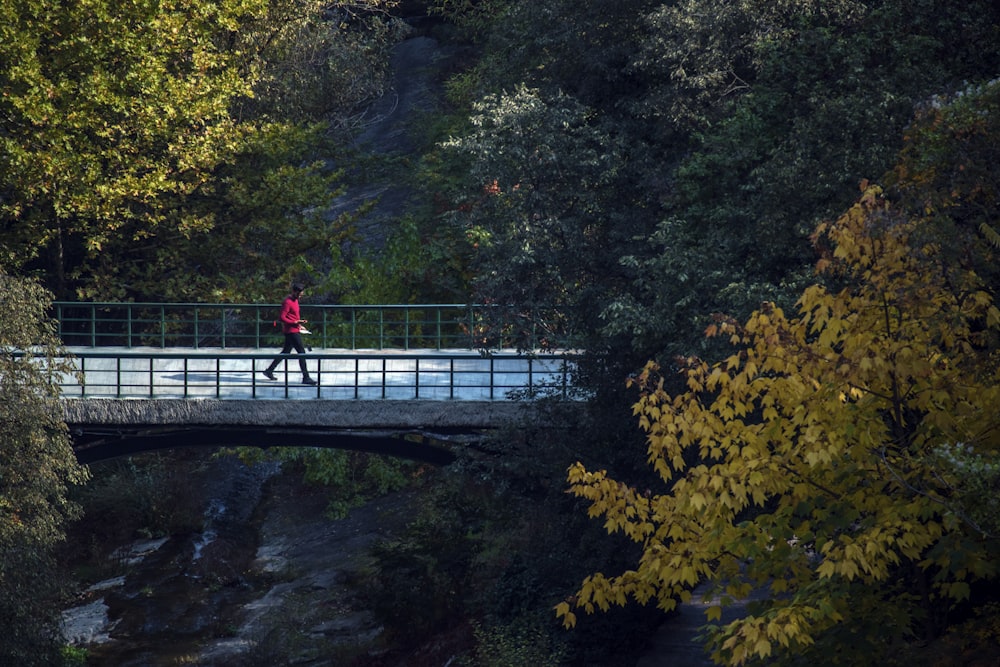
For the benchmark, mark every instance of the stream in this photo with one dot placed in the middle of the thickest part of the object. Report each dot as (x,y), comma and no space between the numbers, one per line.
(178,591)
(266,582)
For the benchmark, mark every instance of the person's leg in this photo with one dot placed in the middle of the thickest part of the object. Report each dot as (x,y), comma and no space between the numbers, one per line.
(289,344)
(300,348)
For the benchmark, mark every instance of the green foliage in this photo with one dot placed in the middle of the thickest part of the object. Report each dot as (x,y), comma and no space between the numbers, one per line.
(703,55)
(352,477)
(37,465)
(510,646)
(74,657)
(793,104)
(269,202)
(948,173)
(418,580)
(540,220)
(144,141)
(318,60)
(113,112)
(412,266)
(974,477)
(489,546)
(473,18)
(152,495)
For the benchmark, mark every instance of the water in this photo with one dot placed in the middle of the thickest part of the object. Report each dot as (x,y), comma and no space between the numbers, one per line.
(179,593)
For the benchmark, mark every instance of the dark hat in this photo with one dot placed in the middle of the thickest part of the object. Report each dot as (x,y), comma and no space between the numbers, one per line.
(298,287)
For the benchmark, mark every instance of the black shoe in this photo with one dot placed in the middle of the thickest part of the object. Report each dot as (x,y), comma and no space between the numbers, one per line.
(269,375)
(308,380)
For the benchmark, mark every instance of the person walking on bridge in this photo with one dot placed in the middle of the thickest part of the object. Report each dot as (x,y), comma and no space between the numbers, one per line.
(291,326)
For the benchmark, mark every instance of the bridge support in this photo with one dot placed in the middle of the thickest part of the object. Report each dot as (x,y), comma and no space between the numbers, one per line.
(419,430)
(378,415)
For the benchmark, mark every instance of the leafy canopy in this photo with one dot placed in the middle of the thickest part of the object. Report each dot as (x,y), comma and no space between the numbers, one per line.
(540,221)
(809,460)
(36,465)
(143,140)
(110,110)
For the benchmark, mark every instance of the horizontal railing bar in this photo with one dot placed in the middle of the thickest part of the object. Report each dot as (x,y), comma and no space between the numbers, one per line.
(226,325)
(192,305)
(389,355)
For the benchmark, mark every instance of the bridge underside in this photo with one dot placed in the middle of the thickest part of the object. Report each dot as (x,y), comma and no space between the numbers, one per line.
(418,430)
(97,444)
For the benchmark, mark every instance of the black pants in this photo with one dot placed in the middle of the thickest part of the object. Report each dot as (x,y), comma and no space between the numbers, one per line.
(292,341)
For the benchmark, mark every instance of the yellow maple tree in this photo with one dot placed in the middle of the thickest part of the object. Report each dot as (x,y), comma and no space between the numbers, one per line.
(813,463)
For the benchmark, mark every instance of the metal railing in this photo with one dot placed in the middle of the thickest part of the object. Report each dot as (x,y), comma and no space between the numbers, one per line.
(200,325)
(397,376)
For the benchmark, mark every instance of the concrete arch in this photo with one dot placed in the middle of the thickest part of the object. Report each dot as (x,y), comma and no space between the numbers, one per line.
(97,444)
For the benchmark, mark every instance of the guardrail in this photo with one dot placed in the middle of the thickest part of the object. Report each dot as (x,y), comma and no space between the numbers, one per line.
(396,376)
(199,325)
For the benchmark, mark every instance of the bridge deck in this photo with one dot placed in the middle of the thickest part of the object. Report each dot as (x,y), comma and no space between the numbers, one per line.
(236,374)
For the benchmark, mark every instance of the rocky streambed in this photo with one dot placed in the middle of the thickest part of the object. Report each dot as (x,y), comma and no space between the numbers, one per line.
(269,580)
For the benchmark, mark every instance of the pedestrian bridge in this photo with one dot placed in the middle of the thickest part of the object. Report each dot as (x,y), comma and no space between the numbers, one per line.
(137,389)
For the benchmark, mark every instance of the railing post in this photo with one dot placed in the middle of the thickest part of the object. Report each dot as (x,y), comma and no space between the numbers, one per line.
(531,378)
(163,327)
(128,326)
(253,375)
(357,377)
(284,367)
(319,378)
(256,319)
(93,326)
(472,328)
(565,378)
(195,327)
(381,328)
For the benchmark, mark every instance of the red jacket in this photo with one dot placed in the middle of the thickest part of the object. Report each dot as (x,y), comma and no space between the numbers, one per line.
(290,315)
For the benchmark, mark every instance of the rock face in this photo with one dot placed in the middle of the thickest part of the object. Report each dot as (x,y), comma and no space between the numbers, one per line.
(310,612)
(412,91)
(388,128)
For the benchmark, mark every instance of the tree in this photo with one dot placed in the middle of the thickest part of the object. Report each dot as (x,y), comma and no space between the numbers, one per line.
(540,219)
(111,113)
(36,465)
(140,138)
(318,61)
(949,173)
(817,461)
(773,111)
